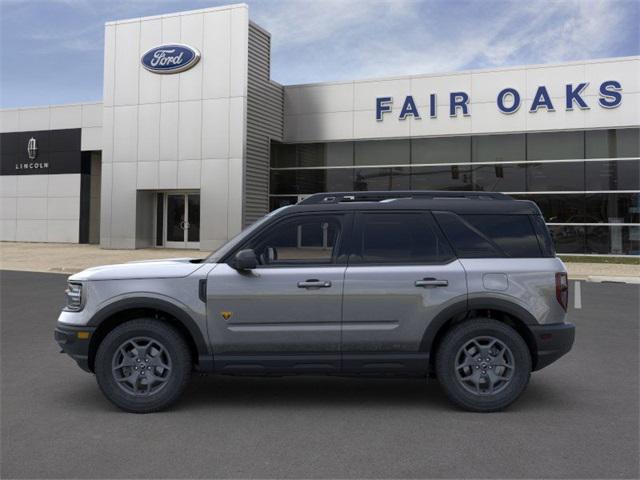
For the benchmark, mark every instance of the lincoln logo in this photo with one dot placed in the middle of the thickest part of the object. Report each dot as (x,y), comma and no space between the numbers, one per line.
(170,58)
(32,149)
(32,154)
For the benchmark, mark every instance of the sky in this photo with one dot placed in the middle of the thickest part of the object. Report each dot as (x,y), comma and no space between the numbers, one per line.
(51,51)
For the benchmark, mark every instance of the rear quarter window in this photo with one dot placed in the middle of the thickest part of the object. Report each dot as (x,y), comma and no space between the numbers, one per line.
(487,236)
(513,234)
(467,241)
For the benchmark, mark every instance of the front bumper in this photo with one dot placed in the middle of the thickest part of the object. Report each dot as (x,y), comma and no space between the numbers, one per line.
(552,342)
(74,341)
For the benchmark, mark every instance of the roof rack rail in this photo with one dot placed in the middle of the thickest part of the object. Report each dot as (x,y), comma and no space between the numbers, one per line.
(340,197)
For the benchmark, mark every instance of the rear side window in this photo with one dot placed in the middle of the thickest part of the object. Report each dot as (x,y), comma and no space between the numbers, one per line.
(514,234)
(400,238)
(482,236)
(544,237)
(467,240)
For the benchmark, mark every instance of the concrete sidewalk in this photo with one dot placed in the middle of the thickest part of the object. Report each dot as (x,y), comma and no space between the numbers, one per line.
(71,258)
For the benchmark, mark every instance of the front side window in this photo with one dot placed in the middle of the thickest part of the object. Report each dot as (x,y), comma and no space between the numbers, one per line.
(302,241)
(401,238)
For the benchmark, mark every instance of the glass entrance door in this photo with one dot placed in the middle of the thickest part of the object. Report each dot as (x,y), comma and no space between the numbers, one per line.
(182,220)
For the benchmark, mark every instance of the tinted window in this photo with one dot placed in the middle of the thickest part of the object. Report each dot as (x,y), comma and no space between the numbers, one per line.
(467,241)
(401,238)
(279,202)
(307,240)
(555,145)
(613,240)
(311,154)
(283,155)
(559,208)
(568,238)
(613,175)
(613,143)
(514,234)
(500,178)
(382,152)
(544,236)
(555,176)
(613,207)
(288,182)
(445,177)
(371,179)
(499,148)
(441,150)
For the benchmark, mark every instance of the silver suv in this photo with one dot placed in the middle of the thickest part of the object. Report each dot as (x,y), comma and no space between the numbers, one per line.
(462,286)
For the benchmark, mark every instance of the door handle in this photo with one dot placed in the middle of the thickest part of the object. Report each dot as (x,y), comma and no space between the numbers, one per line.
(431,282)
(313,283)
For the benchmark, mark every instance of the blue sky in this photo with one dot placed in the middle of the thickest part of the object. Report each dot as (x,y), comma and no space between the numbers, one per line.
(51,51)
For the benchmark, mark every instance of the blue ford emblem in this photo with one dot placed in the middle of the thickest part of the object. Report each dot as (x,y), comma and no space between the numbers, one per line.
(172,58)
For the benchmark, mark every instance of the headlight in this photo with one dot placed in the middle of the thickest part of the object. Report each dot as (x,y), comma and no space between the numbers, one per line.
(74,297)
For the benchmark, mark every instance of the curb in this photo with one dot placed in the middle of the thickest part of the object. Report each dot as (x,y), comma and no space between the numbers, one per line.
(607,279)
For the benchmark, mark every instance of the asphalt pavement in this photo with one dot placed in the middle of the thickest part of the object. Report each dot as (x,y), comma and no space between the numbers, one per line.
(579,417)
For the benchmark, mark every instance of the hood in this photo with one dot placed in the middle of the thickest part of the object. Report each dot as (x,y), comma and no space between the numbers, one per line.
(165,268)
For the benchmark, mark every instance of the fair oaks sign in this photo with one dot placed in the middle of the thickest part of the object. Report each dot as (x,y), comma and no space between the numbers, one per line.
(173,58)
(508,100)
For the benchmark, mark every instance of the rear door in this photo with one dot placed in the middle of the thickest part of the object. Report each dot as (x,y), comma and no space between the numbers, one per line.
(402,273)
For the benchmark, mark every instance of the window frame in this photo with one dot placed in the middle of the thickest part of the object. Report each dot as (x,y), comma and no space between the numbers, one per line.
(345,220)
(355,252)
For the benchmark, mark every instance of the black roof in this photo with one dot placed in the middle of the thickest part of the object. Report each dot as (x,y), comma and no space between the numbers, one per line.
(458,202)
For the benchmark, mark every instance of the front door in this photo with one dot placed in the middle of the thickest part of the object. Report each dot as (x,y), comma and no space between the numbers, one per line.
(285,315)
(182,220)
(401,275)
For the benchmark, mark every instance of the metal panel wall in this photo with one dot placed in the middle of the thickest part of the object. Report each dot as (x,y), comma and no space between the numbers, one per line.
(265,121)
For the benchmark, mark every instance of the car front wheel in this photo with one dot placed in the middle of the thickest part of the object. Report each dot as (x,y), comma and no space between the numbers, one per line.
(143,365)
(483,365)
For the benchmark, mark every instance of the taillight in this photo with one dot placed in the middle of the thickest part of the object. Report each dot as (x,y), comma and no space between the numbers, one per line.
(562,289)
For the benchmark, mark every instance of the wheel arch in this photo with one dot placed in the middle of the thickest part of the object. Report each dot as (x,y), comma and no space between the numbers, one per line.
(127,309)
(502,310)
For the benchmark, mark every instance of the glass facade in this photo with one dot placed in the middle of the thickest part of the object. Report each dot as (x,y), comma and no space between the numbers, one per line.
(585,182)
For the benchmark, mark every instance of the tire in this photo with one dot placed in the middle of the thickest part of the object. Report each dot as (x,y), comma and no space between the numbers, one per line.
(143,366)
(472,382)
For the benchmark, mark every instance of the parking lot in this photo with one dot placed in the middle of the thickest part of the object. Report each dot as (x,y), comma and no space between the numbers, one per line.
(579,417)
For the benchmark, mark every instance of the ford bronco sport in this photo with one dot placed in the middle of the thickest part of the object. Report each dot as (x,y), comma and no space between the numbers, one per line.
(462,286)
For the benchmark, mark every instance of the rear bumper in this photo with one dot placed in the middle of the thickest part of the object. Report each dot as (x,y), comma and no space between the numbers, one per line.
(74,345)
(552,342)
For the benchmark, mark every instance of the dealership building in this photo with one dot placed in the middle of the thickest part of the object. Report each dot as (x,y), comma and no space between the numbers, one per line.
(193,141)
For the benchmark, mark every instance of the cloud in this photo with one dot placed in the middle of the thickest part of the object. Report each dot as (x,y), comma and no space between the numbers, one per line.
(321,40)
(314,41)
(81,40)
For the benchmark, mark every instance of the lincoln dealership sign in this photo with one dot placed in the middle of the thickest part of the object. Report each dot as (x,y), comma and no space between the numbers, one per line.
(172,58)
(508,100)
(32,154)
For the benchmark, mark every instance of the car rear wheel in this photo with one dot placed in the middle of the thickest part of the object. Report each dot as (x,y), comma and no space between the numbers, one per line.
(143,365)
(483,365)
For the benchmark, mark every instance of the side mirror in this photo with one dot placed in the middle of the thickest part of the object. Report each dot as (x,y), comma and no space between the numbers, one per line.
(245,260)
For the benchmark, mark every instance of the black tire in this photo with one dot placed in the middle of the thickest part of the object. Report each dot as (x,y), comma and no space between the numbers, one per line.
(175,355)
(450,377)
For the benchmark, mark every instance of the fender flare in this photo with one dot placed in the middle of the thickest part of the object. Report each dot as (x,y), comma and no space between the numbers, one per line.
(506,306)
(205,359)
(462,308)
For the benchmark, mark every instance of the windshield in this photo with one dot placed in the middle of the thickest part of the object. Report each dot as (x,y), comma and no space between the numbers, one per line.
(216,255)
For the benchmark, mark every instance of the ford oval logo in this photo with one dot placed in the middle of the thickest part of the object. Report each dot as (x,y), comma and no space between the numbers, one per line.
(171,58)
